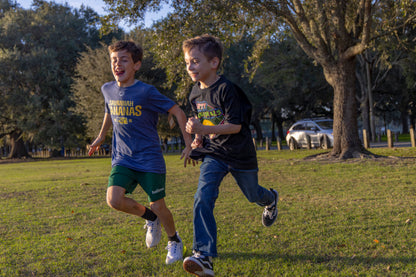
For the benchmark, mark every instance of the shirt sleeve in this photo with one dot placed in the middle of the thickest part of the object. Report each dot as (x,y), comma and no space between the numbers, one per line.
(159,102)
(231,105)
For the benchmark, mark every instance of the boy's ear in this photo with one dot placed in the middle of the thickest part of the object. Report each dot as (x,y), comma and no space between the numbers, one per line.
(215,62)
(137,65)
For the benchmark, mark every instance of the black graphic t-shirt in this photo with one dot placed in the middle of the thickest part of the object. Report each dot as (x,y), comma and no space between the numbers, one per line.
(224,102)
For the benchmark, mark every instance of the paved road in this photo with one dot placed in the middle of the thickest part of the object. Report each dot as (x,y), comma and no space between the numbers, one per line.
(395,144)
(372,145)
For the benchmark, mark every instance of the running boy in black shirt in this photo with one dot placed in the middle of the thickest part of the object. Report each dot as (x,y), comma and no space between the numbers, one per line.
(223,142)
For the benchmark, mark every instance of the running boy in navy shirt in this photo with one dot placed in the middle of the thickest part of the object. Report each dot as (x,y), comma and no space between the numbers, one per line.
(132,108)
(223,142)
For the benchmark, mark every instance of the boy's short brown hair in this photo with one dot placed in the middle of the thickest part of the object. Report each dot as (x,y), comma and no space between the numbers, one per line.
(134,49)
(208,45)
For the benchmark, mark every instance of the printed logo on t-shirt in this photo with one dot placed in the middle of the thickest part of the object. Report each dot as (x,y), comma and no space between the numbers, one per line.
(122,109)
(209,115)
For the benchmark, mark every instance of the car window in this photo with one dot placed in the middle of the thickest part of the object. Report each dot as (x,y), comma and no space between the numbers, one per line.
(327,124)
(310,127)
(298,127)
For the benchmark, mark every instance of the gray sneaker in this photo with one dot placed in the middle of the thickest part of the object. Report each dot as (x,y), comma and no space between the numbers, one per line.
(270,212)
(154,232)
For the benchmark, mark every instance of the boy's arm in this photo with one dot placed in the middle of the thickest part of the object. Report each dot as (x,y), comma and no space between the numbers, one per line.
(101,136)
(194,126)
(181,119)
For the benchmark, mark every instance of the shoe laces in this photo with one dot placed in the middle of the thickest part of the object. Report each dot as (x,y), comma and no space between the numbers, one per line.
(150,225)
(269,211)
(172,246)
(197,255)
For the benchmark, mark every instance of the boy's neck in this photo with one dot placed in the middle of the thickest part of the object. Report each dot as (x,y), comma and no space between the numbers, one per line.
(128,84)
(210,81)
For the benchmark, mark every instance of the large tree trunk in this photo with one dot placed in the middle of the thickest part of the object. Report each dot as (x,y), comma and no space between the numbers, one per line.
(18,149)
(341,76)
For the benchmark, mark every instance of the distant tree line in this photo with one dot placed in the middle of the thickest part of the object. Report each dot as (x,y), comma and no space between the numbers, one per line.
(54,60)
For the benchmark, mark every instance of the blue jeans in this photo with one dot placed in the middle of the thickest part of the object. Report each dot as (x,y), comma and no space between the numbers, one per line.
(212,173)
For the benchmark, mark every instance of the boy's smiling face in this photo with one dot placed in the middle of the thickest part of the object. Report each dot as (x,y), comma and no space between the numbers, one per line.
(199,68)
(123,68)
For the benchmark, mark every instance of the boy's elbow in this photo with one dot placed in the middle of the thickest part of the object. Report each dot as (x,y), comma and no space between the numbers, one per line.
(173,109)
(235,129)
(176,111)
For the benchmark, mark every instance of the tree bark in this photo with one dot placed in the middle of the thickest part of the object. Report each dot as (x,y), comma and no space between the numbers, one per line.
(18,149)
(257,127)
(341,76)
(405,125)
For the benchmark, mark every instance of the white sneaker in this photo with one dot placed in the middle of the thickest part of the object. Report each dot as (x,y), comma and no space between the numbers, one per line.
(175,251)
(154,232)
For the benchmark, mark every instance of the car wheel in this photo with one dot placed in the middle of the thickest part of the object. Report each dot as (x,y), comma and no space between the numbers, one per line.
(325,142)
(293,144)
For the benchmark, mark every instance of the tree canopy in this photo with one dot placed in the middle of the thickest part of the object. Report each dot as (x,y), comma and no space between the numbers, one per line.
(39,48)
(292,58)
(332,33)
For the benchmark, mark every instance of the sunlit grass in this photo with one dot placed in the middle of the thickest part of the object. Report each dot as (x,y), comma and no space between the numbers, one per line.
(342,218)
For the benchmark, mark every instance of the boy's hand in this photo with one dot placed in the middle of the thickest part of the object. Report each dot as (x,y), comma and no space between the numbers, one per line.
(185,154)
(197,143)
(193,126)
(94,146)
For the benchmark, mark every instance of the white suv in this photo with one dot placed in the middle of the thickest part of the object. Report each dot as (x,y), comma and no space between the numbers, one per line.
(317,131)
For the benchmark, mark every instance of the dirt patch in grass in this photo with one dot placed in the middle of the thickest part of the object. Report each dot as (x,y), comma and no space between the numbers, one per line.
(327,158)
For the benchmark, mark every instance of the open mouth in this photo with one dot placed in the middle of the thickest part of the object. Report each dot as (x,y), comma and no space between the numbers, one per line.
(119,72)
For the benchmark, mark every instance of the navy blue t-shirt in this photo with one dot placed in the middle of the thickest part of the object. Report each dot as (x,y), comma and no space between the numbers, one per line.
(135,112)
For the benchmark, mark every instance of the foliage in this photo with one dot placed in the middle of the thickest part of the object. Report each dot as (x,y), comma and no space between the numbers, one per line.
(296,85)
(332,33)
(39,49)
(385,56)
(93,70)
(335,219)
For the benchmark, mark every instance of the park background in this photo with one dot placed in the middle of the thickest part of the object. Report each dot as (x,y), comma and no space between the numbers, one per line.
(360,73)
(336,218)
(353,61)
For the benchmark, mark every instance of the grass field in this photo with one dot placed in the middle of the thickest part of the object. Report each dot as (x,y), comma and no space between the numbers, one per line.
(351,218)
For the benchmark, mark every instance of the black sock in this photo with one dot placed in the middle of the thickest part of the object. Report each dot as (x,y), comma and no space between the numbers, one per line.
(149,215)
(174,238)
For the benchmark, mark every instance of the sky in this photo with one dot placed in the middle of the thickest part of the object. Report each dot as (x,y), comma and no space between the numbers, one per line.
(98,6)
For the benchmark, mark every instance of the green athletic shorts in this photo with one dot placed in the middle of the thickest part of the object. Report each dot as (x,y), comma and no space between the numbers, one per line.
(152,183)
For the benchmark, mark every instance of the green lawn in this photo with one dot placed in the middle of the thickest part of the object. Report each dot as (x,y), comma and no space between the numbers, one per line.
(352,218)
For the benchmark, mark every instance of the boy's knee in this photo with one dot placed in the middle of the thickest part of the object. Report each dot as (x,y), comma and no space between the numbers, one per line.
(154,206)
(113,201)
(158,206)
